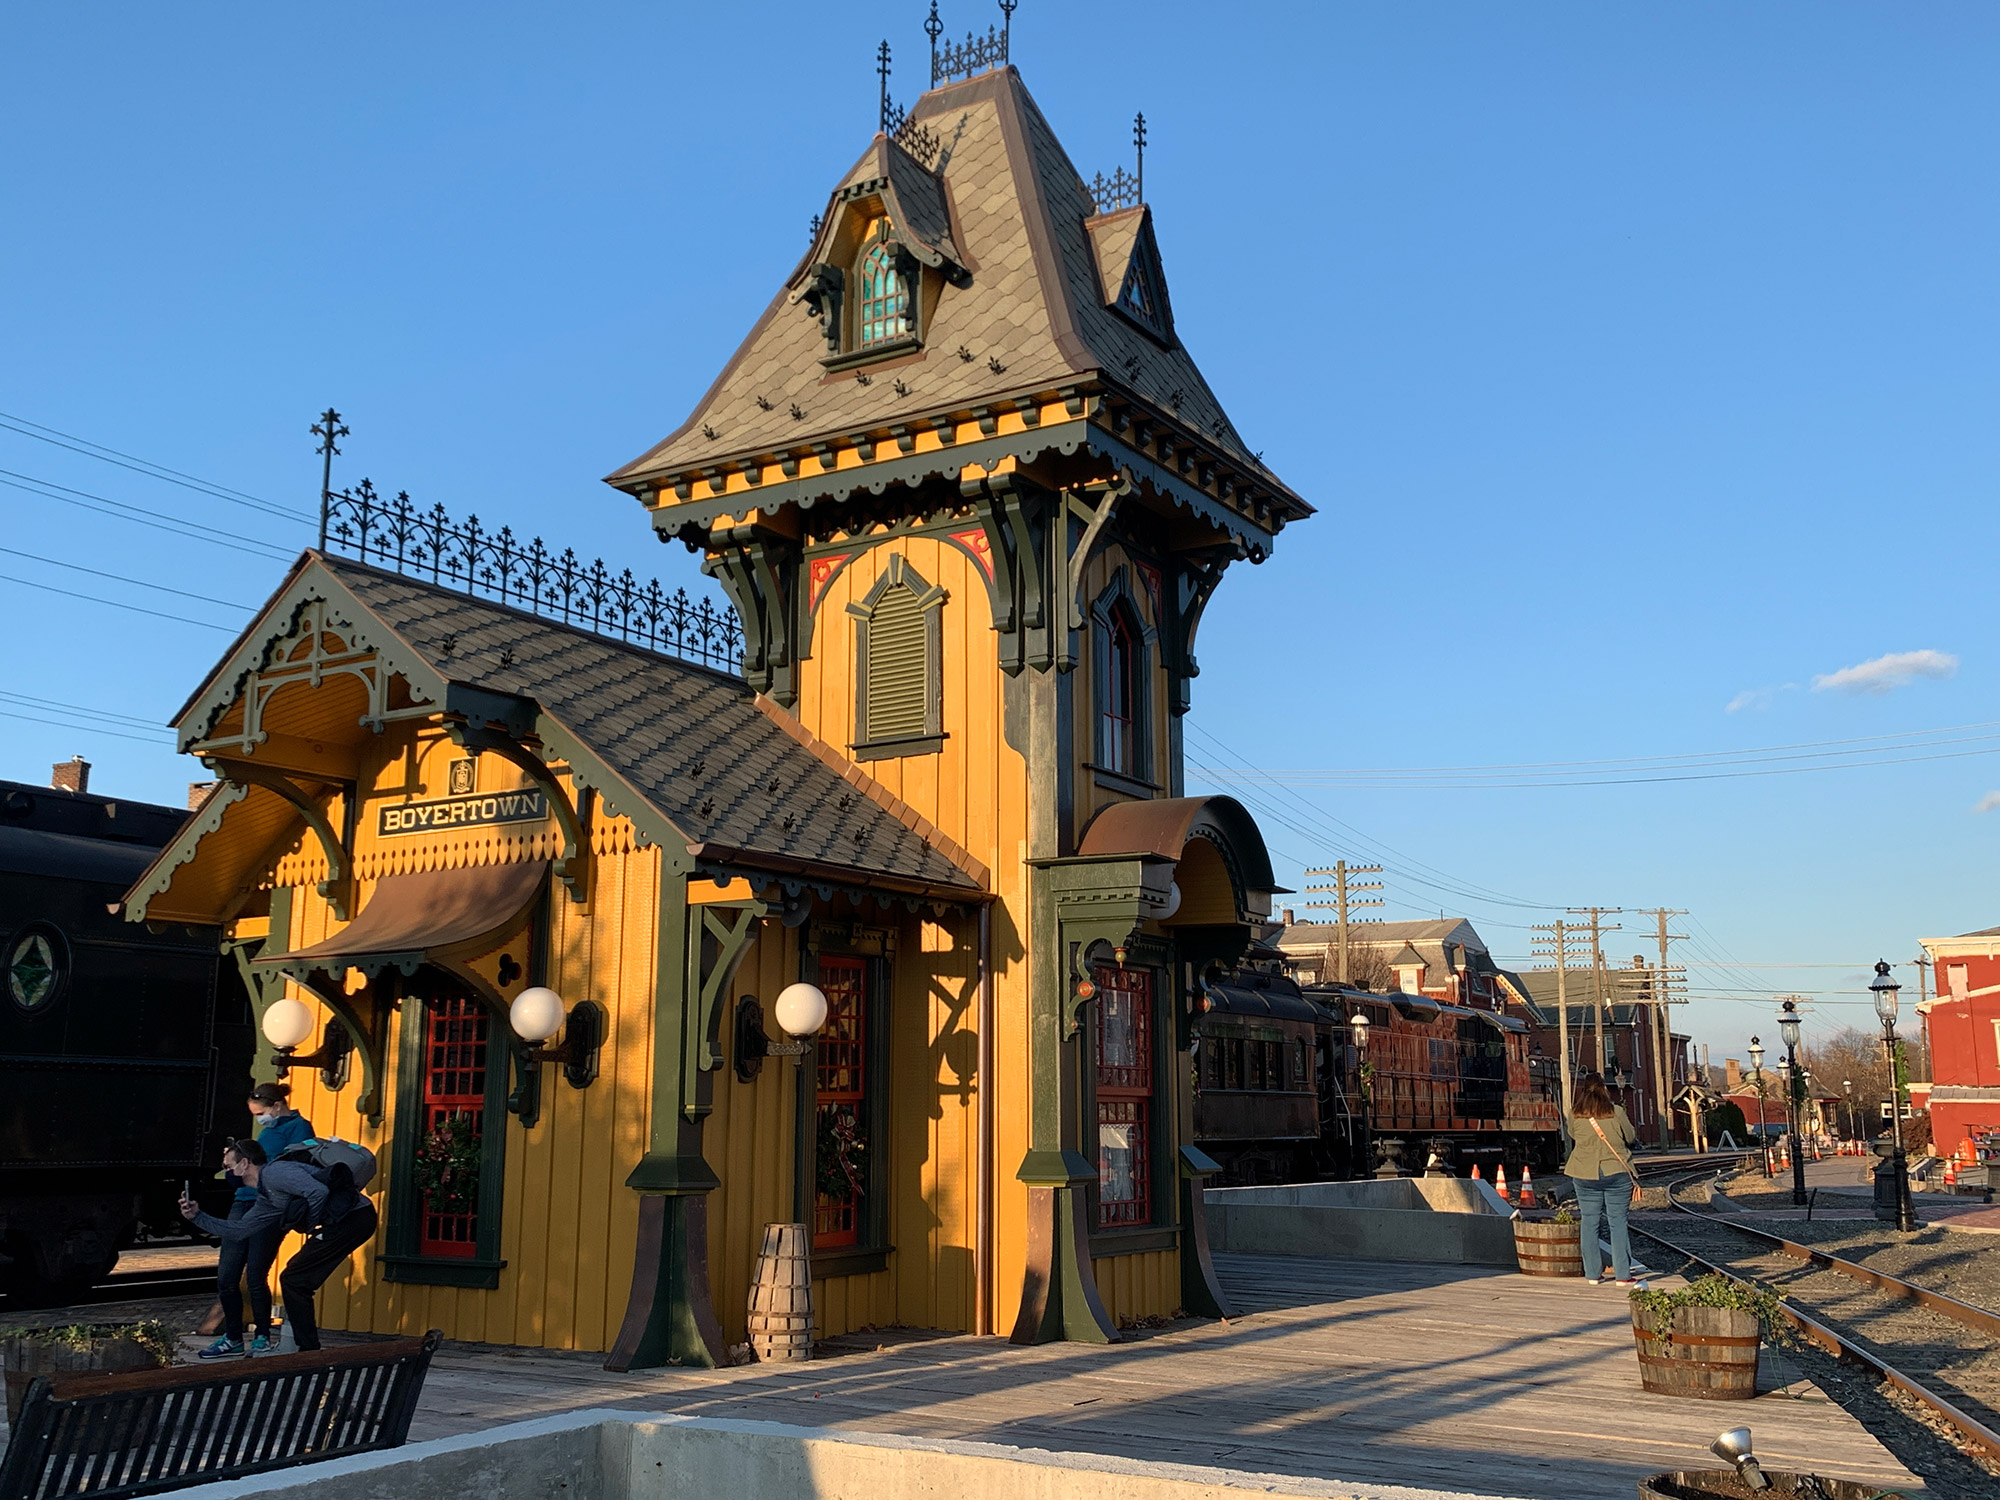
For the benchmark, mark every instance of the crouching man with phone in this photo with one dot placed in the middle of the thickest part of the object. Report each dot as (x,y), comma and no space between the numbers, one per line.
(312,1189)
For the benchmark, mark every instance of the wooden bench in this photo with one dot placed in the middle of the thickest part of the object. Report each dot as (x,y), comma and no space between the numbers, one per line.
(109,1436)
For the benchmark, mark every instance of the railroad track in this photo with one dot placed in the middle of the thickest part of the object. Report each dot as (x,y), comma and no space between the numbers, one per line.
(1943,1352)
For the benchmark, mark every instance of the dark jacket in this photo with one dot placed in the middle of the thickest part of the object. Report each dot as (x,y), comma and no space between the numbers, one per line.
(276,1138)
(289,1196)
(1592,1158)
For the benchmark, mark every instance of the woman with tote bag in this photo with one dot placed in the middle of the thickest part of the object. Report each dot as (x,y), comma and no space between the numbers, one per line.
(1600,1170)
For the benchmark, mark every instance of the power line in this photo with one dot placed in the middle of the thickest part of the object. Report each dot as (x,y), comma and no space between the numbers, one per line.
(115,604)
(45,704)
(147,467)
(120,578)
(164,740)
(120,511)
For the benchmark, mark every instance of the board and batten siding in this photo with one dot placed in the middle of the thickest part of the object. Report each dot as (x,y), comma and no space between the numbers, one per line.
(569,1225)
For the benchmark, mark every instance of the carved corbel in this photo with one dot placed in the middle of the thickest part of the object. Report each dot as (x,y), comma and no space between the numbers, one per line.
(338,887)
(267,984)
(1195,582)
(824,292)
(1094,520)
(760,573)
(572,866)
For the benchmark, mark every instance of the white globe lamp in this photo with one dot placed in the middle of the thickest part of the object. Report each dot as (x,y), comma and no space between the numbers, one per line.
(800,1009)
(1173,903)
(287,1023)
(536,1014)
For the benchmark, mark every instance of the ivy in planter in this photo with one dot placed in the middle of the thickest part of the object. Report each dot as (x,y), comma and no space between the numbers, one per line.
(1715,1290)
(151,1335)
(447,1166)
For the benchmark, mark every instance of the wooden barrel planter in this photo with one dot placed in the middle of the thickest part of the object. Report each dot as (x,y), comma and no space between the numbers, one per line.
(1722,1484)
(781,1314)
(1542,1247)
(102,1350)
(1711,1354)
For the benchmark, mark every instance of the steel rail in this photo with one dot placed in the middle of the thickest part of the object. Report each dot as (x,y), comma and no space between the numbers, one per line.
(1937,1302)
(1970,1427)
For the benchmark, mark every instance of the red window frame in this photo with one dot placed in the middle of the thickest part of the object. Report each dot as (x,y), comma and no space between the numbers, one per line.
(1125,1073)
(842,1087)
(457,1036)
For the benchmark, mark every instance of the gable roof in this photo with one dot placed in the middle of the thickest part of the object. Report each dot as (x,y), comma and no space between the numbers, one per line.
(686,752)
(1032,316)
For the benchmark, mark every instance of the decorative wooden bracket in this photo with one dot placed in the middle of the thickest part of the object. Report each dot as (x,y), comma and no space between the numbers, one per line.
(1094,519)
(1194,585)
(267,985)
(722,933)
(338,887)
(759,570)
(572,866)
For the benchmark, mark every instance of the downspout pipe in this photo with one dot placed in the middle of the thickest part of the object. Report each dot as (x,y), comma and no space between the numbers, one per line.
(982,1251)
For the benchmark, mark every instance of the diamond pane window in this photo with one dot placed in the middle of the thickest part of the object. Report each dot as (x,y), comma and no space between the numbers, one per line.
(842,1141)
(883,314)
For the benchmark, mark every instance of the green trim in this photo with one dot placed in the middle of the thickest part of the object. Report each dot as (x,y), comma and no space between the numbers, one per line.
(405,1210)
(923,744)
(421,1270)
(846,1261)
(1106,1243)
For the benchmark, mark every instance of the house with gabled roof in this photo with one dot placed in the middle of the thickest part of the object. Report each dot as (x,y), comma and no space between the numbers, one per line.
(968,495)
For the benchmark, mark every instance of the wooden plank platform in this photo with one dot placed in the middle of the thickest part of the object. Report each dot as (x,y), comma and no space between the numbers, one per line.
(1451,1377)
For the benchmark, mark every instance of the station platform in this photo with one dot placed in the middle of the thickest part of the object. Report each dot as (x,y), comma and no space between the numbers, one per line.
(1454,1378)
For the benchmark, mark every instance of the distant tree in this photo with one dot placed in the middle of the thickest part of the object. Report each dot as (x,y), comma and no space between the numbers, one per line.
(1726,1116)
(1367,965)
(1852,1056)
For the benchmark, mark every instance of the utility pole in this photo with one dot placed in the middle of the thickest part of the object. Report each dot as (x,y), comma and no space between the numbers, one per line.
(1662,997)
(1556,945)
(1922,964)
(1342,890)
(1598,927)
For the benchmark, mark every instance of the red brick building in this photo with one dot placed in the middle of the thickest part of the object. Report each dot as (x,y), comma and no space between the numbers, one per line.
(1962,1029)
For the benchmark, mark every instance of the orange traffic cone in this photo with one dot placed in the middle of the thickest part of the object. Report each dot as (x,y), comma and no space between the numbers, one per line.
(1500,1182)
(1527,1188)
(1475,1173)
(1951,1171)
(1965,1152)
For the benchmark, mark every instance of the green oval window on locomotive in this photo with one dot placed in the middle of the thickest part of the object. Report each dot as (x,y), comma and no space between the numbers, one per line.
(37,966)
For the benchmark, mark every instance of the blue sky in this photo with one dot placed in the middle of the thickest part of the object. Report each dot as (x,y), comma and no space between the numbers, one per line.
(1639,359)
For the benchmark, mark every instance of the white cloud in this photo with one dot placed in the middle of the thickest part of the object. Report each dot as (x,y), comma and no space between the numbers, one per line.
(1987,803)
(1895,670)
(1757,698)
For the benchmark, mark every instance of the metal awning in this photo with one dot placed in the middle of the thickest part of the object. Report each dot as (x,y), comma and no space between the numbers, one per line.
(410,918)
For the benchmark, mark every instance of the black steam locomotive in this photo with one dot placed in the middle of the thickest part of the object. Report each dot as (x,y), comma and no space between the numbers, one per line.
(1289,1089)
(114,1041)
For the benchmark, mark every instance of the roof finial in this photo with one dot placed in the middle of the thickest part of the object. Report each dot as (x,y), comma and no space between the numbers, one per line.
(1139,143)
(933,28)
(882,71)
(1006,25)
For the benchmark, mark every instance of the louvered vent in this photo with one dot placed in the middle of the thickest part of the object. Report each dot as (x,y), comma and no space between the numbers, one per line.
(896,675)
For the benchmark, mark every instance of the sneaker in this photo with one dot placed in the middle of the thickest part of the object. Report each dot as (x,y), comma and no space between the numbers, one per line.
(262,1345)
(1593,1281)
(1625,1281)
(222,1348)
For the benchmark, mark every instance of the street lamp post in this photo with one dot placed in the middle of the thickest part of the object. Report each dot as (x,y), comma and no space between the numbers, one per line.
(1757,1068)
(1892,1177)
(1788,1028)
(1847,1088)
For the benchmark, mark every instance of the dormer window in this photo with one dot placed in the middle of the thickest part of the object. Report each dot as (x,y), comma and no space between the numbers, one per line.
(883,309)
(1137,297)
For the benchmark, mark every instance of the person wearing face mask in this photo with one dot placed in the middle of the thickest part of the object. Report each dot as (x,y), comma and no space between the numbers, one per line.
(277,1127)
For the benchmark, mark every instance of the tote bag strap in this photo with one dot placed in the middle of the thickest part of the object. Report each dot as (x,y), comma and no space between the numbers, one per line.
(1613,1149)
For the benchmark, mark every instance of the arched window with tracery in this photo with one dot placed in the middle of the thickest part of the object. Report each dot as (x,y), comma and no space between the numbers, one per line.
(882,312)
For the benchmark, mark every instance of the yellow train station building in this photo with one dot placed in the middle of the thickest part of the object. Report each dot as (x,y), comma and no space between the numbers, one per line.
(968,496)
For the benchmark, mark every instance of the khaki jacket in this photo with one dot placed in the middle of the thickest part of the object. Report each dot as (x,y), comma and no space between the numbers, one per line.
(1590,1157)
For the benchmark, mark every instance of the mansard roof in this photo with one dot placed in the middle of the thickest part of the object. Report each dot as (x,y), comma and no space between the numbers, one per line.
(1028,314)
